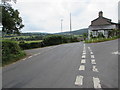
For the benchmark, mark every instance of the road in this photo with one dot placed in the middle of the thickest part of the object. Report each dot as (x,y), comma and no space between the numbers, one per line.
(75,65)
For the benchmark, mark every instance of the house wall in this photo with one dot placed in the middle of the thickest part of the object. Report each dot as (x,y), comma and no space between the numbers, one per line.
(103,28)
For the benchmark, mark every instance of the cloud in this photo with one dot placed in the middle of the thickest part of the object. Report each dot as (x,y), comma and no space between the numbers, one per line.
(45,15)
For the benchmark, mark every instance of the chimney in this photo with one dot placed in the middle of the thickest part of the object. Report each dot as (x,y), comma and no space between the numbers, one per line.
(100,14)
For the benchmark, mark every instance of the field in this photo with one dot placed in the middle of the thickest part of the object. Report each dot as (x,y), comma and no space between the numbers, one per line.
(33,41)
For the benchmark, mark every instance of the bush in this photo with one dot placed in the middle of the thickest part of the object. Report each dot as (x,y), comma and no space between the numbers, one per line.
(11,52)
(31,45)
(58,39)
(52,40)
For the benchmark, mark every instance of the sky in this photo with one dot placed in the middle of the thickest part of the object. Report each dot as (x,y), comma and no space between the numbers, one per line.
(46,15)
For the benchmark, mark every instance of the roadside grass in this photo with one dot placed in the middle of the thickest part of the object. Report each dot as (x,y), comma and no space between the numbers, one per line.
(11,58)
(96,40)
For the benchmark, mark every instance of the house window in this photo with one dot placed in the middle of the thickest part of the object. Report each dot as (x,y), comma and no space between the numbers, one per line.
(105,32)
(94,33)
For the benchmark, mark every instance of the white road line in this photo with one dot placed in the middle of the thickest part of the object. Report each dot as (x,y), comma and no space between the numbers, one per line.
(83,56)
(84,52)
(39,53)
(95,69)
(91,52)
(88,47)
(24,59)
(79,80)
(93,61)
(29,56)
(36,54)
(116,53)
(82,67)
(96,82)
(92,56)
(83,61)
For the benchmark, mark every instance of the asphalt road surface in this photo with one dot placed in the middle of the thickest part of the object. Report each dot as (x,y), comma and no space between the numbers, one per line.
(75,65)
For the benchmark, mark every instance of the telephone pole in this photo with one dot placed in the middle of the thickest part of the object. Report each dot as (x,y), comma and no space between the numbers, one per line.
(70,25)
(61,25)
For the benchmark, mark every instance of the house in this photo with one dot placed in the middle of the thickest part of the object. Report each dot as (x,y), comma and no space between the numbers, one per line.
(101,25)
(1,26)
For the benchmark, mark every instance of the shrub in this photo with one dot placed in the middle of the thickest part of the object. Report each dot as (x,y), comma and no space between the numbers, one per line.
(11,52)
(53,40)
(31,45)
(58,39)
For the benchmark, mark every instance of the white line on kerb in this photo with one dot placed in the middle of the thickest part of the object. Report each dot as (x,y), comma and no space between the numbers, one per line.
(83,61)
(79,80)
(24,59)
(82,67)
(93,61)
(96,82)
(36,54)
(95,69)
(92,56)
(83,56)
(29,56)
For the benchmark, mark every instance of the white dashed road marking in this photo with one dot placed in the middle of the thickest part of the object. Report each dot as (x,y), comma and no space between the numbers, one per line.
(83,56)
(95,69)
(82,67)
(93,61)
(91,52)
(92,56)
(79,80)
(84,52)
(83,61)
(88,47)
(116,53)
(96,82)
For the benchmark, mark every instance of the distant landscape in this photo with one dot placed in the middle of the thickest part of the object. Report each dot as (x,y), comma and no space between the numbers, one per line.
(75,32)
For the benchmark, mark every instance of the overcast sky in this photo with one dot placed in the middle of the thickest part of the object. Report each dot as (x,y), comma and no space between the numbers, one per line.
(46,15)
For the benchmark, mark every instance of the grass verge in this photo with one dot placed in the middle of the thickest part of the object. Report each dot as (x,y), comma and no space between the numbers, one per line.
(96,40)
(12,58)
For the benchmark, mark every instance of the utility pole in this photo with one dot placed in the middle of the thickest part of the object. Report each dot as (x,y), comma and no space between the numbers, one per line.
(70,25)
(61,25)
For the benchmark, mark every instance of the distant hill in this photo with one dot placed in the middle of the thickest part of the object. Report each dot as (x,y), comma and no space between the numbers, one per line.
(34,33)
(76,32)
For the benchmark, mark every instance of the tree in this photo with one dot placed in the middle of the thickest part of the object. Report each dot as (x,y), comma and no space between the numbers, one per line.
(85,35)
(12,22)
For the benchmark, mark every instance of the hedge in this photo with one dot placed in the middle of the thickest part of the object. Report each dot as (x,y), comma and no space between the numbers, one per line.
(11,52)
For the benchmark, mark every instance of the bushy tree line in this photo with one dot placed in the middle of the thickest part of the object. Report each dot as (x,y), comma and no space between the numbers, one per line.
(49,41)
